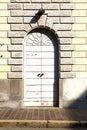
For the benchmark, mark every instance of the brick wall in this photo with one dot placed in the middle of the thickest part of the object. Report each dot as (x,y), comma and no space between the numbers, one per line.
(80,38)
(57,17)
(4,40)
(68,20)
(74,90)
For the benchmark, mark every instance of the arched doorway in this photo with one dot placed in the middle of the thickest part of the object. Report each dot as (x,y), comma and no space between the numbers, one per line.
(41,68)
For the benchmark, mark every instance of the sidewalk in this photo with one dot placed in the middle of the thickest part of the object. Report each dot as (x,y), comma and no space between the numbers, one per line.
(43,117)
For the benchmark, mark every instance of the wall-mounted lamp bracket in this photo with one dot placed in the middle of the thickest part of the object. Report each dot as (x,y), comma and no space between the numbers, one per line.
(40,12)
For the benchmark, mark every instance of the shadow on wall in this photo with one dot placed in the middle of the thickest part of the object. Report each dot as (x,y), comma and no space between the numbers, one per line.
(74,93)
(37,16)
(80,102)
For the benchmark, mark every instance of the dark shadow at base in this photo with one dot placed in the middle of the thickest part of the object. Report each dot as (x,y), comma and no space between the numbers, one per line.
(80,103)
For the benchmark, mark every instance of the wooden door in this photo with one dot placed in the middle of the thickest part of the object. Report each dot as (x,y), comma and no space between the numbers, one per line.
(39,70)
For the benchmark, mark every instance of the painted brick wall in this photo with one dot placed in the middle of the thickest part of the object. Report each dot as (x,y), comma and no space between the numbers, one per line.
(74,90)
(80,38)
(57,17)
(20,16)
(68,19)
(4,40)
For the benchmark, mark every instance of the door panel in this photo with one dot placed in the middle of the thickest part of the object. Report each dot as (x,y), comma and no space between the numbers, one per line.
(48,82)
(33,95)
(33,82)
(47,88)
(39,70)
(48,62)
(33,61)
(33,88)
(33,48)
(47,49)
(33,68)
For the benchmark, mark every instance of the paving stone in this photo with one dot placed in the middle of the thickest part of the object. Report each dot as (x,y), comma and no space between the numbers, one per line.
(64,34)
(65,54)
(61,1)
(47,1)
(65,68)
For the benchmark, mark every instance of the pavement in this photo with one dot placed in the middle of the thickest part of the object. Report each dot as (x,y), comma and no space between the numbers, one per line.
(41,117)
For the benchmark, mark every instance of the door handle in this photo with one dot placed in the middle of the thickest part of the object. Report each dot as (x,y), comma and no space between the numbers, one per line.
(38,75)
(42,75)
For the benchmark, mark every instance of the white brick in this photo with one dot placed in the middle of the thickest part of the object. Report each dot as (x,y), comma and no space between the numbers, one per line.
(15,75)
(3,61)
(15,6)
(4,13)
(80,61)
(57,27)
(15,20)
(4,27)
(65,54)
(64,34)
(67,6)
(65,40)
(4,54)
(4,1)
(31,6)
(78,68)
(67,61)
(67,75)
(79,54)
(3,75)
(67,20)
(79,27)
(17,54)
(3,47)
(22,27)
(81,74)
(15,47)
(15,61)
(5,41)
(3,20)
(65,68)
(3,6)
(18,34)
(51,6)
(17,68)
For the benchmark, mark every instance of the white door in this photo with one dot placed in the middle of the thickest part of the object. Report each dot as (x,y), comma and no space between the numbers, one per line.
(38,70)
